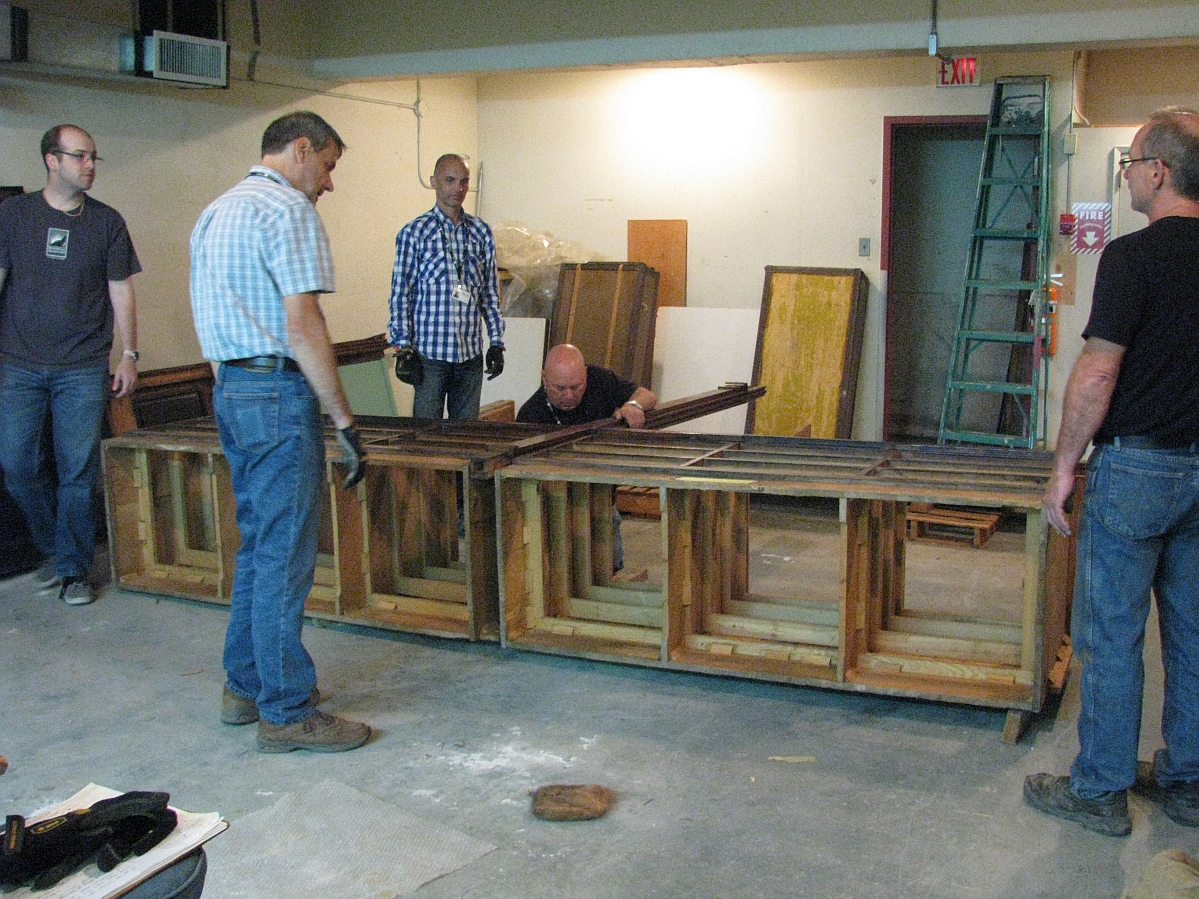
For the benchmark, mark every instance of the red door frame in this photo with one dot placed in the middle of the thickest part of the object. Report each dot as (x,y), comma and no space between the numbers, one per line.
(891,124)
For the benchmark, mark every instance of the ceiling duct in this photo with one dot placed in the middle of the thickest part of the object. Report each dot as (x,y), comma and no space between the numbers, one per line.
(14,33)
(186,59)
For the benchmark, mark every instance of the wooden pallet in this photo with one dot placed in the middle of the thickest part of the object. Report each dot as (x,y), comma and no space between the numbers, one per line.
(945,524)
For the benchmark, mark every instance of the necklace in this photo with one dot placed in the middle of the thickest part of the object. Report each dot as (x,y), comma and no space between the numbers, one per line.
(78,209)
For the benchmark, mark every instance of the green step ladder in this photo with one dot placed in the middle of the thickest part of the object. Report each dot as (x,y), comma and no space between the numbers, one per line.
(998,373)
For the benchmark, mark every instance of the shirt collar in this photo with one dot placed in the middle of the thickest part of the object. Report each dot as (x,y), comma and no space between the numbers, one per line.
(441,216)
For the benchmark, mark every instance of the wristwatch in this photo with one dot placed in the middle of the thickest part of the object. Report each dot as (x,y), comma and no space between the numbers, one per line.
(132,354)
(634,403)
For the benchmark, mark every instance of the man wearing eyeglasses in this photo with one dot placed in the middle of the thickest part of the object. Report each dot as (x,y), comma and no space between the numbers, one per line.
(1134,394)
(66,267)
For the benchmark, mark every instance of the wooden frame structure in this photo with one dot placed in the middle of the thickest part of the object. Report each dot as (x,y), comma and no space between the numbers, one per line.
(809,348)
(609,311)
(389,554)
(557,595)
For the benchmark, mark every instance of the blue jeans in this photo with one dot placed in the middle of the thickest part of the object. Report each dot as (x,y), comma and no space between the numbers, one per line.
(272,434)
(461,383)
(61,516)
(1139,531)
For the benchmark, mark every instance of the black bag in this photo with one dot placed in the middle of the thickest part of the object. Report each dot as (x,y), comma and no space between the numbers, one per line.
(110,831)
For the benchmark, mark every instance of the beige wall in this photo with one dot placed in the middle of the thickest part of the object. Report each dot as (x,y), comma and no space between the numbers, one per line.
(772,164)
(168,152)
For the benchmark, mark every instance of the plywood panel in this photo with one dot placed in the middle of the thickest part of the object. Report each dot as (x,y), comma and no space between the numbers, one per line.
(809,347)
(662,244)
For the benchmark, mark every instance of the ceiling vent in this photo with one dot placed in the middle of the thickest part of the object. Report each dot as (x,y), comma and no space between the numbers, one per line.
(186,59)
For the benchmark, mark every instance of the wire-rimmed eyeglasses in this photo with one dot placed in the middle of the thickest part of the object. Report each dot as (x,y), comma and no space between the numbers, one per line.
(1126,161)
(79,155)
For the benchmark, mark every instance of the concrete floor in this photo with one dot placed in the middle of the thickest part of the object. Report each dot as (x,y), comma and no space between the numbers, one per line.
(873,797)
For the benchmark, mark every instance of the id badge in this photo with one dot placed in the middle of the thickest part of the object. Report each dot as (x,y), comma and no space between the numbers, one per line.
(461,293)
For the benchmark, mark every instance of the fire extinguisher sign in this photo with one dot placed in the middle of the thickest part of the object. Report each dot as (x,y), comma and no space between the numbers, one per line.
(1092,227)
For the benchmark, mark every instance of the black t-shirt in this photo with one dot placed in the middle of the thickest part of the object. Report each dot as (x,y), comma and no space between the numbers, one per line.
(55,310)
(606,392)
(1147,301)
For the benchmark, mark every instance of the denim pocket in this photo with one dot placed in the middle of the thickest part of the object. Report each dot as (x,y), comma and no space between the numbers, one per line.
(252,419)
(1140,498)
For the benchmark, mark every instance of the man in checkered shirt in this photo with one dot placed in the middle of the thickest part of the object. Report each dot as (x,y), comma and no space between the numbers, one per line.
(444,291)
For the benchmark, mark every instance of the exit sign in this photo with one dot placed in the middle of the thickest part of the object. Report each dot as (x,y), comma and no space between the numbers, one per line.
(960,72)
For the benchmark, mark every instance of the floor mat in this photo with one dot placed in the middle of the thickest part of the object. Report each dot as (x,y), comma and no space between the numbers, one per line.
(333,840)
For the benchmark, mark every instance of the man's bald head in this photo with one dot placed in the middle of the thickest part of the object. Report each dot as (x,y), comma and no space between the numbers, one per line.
(564,376)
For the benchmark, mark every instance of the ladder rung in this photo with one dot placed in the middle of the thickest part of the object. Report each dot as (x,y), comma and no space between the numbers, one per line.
(1015,130)
(1029,234)
(979,284)
(1012,182)
(997,336)
(980,437)
(992,387)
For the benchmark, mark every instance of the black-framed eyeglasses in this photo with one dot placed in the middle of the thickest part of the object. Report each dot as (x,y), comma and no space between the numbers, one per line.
(1126,161)
(80,155)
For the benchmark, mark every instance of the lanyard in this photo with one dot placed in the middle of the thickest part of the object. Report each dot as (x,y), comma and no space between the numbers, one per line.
(447,242)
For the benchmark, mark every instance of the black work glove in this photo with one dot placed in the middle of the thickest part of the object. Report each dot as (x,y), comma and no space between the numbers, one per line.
(495,362)
(107,833)
(409,368)
(352,456)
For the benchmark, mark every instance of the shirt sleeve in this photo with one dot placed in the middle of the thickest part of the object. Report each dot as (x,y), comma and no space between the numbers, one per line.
(122,258)
(491,288)
(403,275)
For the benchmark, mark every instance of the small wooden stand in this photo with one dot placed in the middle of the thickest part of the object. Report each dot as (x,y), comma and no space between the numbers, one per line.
(942,524)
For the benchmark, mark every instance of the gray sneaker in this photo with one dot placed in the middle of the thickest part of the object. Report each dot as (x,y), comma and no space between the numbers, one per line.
(319,732)
(236,710)
(1052,795)
(1180,801)
(46,576)
(76,591)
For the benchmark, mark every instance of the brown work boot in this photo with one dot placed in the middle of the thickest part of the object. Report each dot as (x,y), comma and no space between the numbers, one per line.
(238,710)
(319,732)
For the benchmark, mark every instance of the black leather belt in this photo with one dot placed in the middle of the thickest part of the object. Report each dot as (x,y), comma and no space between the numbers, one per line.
(264,364)
(1145,442)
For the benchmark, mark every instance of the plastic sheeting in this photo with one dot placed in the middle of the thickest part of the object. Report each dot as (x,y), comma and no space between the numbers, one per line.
(532,258)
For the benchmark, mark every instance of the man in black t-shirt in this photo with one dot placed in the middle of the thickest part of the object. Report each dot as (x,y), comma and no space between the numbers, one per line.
(574,393)
(66,267)
(1134,392)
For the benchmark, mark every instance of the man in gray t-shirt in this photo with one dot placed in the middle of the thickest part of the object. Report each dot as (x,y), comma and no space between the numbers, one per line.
(66,264)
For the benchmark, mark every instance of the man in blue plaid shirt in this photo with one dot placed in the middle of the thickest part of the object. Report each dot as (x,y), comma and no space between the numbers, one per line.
(444,289)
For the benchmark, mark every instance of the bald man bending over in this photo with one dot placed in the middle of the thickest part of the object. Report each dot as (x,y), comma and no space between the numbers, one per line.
(574,393)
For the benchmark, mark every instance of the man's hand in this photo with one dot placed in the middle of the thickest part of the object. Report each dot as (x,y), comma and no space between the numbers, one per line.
(125,377)
(1057,492)
(631,414)
(352,456)
(409,368)
(495,362)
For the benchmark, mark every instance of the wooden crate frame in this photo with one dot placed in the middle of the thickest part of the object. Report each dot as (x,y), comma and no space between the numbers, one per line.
(173,529)
(710,621)
(172,520)
(609,311)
